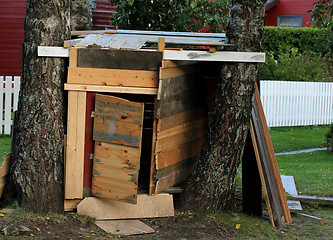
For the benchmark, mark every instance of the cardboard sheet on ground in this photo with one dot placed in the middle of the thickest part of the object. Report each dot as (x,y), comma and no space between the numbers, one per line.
(289,185)
(124,227)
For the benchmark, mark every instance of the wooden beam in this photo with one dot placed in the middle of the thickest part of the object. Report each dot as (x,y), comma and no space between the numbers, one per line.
(310,198)
(111,89)
(309,218)
(215,57)
(113,77)
(44,51)
(71,205)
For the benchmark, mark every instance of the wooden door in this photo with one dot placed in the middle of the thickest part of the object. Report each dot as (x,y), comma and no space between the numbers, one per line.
(117,135)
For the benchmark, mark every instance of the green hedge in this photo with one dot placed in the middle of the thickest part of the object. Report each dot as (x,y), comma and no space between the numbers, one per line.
(280,40)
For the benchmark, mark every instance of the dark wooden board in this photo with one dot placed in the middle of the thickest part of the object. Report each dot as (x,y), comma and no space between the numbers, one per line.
(118,121)
(185,164)
(119,59)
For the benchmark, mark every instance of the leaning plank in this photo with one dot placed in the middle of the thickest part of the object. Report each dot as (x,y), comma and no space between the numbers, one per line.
(124,227)
(309,218)
(216,56)
(290,189)
(4,171)
(113,77)
(112,89)
(160,205)
(310,198)
(119,59)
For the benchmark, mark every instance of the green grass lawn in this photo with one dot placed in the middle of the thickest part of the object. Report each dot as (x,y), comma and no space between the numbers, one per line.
(5,145)
(287,139)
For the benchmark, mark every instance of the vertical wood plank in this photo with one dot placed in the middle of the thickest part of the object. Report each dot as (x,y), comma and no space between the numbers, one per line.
(73,57)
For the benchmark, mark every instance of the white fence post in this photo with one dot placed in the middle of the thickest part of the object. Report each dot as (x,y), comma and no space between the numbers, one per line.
(297,103)
(9,91)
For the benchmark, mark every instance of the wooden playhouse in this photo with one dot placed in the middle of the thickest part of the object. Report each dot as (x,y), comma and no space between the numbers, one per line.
(137,110)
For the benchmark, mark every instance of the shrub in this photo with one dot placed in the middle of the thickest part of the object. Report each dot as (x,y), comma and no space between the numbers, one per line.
(329,138)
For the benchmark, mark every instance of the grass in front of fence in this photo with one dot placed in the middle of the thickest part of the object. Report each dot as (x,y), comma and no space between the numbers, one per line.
(5,145)
(287,139)
(312,172)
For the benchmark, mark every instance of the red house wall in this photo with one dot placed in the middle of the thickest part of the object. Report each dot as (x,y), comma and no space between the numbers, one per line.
(290,7)
(12,14)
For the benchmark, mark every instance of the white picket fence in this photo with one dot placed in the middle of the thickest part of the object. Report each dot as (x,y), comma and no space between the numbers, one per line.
(297,103)
(285,103)
(9,91)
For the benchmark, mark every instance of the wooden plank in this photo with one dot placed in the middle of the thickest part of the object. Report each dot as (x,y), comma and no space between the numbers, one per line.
(179,71)
(70,164)
(134,43)
(44,51)
(124,227)
(214,57)
(185,164)
(4,168)
(110,89)
(320,221)
(261,173)
(115,172)
(119,59)
(152,180)
(73,57)
(71,205)
(310,198)
(289,185)
(161,45)
(272,158)
(172,156)
(180,118)
(113,77)
(118,121)
(181,134)
(160,205)
(171,64)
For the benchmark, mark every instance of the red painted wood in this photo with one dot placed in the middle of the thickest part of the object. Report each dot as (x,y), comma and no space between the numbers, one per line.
(102,14)
(290,7)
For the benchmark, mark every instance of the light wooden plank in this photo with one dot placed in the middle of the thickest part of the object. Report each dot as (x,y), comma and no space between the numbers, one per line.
(152,179)
(216,56)
(111,89)
(179,135)
(71,146)
(124,227)
(73,57)
(113,77)
(4,168)
(310,198)
(71,205)
(320,221)
(175,155)
(179,71)
(160,205)
(171,64)
(52,51)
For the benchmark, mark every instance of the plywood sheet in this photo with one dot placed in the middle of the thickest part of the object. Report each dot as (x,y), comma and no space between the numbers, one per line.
(289,185)
(160,205)
(124,227)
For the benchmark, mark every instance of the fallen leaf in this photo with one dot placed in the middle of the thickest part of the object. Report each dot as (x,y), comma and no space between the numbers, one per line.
(32,235)
(238,226)
(2,215)
(38,229)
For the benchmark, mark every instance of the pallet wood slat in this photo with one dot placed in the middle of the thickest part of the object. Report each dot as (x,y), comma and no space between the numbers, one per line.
(310,198)
(113,77)
(119,59)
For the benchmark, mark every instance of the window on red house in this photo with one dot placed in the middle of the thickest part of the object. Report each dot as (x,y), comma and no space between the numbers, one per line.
(290,20)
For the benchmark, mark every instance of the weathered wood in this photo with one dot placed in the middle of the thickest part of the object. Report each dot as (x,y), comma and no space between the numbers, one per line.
(119,59)
(289,185)
(310,198)
(71,205)
(115,172)
(4,167)
(177,154)
(221,56)
(160,205)
(181,134)
(124,227)
(152,180)
(113,77)
(179,71)
(180,118)
(171,64)
(185,164)
(118,121)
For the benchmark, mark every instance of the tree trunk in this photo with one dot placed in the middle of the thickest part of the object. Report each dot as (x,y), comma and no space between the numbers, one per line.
(81,15)
(213,179)
(36,172)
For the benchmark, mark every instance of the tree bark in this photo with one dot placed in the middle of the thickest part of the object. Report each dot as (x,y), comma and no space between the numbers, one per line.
(36,171)
(81,15)
(210,185)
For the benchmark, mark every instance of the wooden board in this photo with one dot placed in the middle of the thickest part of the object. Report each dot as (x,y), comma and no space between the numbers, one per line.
(4,168)
(310,198)
(118,121)
(181,70)
(116,172)
(289,185)
(113,77)
(117,132)
(74,165)
(160,205)
(124,227)
(119,59)
(71,205)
